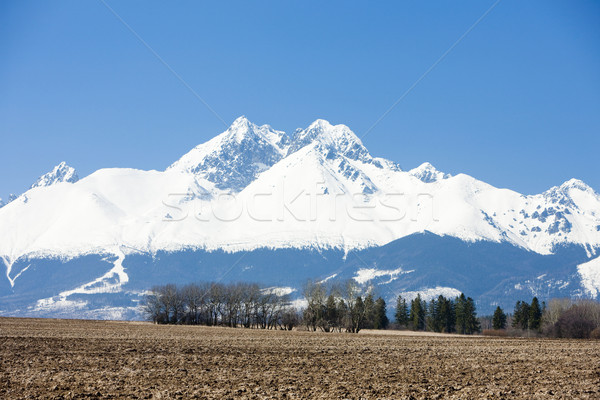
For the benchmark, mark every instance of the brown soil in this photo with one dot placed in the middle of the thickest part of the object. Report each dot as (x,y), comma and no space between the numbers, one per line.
(97,359)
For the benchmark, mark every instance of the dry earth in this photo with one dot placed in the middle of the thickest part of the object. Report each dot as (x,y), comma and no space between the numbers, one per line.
(98,359)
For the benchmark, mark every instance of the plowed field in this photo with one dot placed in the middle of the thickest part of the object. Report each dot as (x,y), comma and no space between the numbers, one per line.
(64,359)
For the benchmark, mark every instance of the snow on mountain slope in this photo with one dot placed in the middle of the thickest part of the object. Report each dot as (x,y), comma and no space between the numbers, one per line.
(429,294)
(234,158)
(590,277)
(364,275)
(110,207)
(61,173)
(427,173)
(565,214)
(338,139)
(110,282)
(253,187)
(11,197)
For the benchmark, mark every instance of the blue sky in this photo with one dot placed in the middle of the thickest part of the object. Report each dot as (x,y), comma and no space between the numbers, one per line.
(516,103)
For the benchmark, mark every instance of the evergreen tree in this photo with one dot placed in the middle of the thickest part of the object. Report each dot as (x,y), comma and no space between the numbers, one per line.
(525,315)
(499,319)
(331,317)
(521,315)
(461,318)
(432,318)
(418,309)
(517,317)
(447,315)
(472,323)
(441,315)
(466,315)
(535,315)
(342,315)
(369,313)
(381,320)
(401,314)
(358,315)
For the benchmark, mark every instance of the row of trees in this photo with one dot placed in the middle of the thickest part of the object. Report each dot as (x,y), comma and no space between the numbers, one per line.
(234,305)
(339,308)
(526,316)
(438,315)
(559,318)
(342,308)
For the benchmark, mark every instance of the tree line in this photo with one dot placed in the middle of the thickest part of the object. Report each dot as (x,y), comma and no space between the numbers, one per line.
(440,314)
(340,308)
(345,308)
(210,303)
(561,318)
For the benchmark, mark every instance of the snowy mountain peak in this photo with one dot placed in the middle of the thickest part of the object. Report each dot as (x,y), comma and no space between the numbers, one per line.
(428,173)
(337,139)
(576,184)
(330,193)
(234,158)
(318,194)
(60,173)
(241,120)
(242,129)
(323,125)
(564,194)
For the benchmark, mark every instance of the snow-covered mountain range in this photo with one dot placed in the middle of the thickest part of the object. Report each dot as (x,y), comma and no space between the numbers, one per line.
(255,189)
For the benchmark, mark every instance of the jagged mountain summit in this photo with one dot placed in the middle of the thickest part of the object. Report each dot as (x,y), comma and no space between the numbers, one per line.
(61,173)
(319,187)
(237,156)
(254,189)
(338,139)
(428,173)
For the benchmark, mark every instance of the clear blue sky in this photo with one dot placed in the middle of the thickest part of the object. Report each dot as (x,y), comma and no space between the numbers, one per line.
(516,103)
